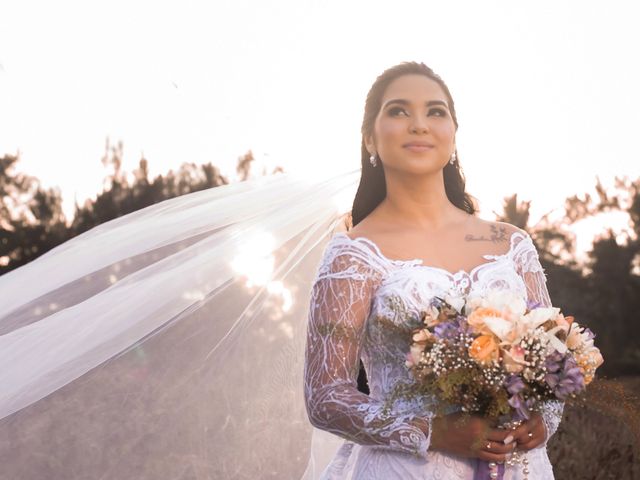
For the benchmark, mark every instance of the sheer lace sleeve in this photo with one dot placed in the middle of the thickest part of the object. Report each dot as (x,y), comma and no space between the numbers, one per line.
(531,271)
(340,303)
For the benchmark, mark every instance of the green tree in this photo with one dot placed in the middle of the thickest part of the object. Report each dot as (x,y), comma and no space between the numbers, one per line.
(121,196)
(602,292)
(31,217)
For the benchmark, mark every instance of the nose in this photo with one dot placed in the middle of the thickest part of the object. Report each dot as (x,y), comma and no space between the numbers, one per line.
(419,125)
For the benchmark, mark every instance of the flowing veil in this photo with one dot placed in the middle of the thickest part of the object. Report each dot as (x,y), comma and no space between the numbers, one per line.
(169,343)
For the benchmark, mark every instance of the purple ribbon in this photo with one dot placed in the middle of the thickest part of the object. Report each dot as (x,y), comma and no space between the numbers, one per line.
(482,470)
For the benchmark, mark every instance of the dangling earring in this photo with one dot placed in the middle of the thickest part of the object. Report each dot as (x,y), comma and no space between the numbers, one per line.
(373,160)
(453,158)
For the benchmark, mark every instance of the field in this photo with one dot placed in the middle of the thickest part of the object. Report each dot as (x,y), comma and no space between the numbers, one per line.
(600,441)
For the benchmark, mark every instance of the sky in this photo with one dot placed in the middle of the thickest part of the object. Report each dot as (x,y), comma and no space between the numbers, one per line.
(546,92)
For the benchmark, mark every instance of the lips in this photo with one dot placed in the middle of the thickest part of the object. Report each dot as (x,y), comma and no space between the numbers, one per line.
(418,146)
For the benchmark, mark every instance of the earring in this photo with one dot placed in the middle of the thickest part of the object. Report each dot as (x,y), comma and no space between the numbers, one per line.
(373,160)
(453,158)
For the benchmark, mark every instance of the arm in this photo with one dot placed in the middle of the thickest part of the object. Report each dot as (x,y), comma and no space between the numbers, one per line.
(532,273)
(340,302)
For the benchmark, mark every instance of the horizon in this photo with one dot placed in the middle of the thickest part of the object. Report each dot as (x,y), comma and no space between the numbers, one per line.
(545,96)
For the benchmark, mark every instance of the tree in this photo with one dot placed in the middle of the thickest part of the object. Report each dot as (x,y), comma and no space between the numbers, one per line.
(602,292)
(31,217)
(121,196)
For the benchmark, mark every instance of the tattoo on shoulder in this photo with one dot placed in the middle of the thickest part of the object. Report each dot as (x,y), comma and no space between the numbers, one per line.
(498,234)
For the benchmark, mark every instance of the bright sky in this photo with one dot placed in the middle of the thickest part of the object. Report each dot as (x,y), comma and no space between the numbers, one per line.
(546,92)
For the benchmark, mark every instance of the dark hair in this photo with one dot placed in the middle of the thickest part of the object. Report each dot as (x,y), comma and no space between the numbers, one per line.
(372,188)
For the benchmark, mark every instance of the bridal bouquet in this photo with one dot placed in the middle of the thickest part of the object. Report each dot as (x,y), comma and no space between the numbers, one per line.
(496,356)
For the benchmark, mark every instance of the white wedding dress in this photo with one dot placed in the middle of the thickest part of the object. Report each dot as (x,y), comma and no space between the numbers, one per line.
(364,306)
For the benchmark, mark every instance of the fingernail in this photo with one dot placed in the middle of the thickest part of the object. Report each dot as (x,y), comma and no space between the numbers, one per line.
(508,440)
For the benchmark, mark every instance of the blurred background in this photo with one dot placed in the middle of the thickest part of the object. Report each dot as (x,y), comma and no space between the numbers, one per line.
(108,107)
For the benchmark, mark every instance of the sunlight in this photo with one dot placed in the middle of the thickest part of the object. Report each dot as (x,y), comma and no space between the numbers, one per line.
(255,259)
(278,288)
(256,262)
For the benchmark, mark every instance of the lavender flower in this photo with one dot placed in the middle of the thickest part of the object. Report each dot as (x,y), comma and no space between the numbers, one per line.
(589,334)
(452,328)
(446,330)
(514,386)
(564,376)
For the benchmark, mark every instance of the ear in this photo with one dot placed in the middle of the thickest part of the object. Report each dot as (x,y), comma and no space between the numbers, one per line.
(370,144)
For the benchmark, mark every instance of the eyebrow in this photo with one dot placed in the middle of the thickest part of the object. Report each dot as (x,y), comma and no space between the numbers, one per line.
(402,101)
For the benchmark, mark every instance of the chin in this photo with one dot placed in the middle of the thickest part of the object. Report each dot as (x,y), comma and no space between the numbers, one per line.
(421,167)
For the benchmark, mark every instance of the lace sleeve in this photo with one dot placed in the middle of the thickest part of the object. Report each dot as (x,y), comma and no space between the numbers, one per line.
(340,303)
(531,271)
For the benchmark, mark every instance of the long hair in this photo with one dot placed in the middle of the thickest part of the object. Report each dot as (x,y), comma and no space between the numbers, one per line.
(372,188)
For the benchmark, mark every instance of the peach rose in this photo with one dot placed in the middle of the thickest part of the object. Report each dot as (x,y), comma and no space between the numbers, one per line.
(513,359)
(478,317)
(484,349)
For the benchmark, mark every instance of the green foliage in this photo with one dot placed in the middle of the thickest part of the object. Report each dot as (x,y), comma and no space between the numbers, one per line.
(122,196)
(603,293)
(31,218)
(32,221)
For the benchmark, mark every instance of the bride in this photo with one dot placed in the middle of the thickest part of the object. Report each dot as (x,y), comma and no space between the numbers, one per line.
(170,343)
(414,236)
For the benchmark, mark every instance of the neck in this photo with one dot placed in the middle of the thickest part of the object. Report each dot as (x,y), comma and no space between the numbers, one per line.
(420,202)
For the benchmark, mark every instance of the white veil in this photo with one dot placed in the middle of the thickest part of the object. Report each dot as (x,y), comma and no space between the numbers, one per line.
(169,343)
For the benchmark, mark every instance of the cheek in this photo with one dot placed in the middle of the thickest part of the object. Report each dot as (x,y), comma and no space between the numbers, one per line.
(445,130)
(389,129)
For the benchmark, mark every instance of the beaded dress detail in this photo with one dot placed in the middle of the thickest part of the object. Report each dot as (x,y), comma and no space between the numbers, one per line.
(364,306)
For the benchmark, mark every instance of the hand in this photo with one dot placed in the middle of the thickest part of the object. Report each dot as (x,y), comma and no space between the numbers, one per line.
(530,434)
(471,436)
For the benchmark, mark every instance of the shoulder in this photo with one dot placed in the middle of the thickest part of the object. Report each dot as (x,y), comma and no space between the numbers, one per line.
(506,229)
(519,244)
(522,249)
(350,257)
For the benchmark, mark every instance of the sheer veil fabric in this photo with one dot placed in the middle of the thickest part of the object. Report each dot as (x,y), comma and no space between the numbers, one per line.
(169,343)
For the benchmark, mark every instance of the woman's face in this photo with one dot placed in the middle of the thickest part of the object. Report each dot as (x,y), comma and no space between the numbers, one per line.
(414,131)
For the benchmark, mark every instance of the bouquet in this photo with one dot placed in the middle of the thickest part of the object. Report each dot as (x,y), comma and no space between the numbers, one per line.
(497,356)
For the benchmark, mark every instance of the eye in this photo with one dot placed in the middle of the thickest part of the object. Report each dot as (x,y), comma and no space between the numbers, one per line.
(438,112)
(393,111)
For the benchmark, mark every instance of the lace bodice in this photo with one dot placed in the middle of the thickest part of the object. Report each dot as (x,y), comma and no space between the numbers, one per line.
(364,306)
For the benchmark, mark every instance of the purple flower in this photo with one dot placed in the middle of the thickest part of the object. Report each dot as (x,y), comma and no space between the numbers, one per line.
(589,334)
(514,384)
(521,406)
(446,330)
(564,376)
(452,328)
(554,362)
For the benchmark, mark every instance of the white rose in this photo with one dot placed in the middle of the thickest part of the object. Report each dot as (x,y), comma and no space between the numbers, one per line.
(455,302)
(538,316)
(507,300)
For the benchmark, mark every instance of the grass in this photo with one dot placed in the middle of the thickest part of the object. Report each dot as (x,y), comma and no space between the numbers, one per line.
(601,439)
